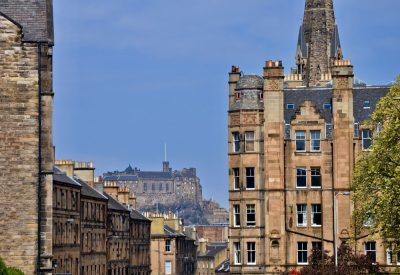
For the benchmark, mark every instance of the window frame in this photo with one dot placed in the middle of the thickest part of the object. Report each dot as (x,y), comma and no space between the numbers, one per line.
(313,140)
(292,106)
(302,249)
(368,250)
(237,254)
(168,245)
(301,140)
(298,177)
(236,215)
(236,178)
(250,210)
(367,104)
(301,211)
(363,139)
(316,245)
(327,106)
(170,267)
(389,256)
(314,211)
(236,142)
(249,141)
(316,174)
(250,176)
(251,253)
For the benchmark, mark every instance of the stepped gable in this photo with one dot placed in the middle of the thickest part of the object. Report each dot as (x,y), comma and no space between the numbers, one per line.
(35,17)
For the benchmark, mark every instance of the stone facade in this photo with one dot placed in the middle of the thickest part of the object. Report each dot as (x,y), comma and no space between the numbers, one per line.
(26,134)
(292,151)
(210,256)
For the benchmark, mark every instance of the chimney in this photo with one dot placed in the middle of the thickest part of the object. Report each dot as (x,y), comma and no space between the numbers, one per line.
(234,77)
(111,188)
(85,171)
(66,166)
(132,200)
(123,195)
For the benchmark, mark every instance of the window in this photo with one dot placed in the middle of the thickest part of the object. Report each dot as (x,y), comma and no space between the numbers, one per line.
(327,106)
(315,142)
(366,139)
(237,96)
(251,215)
(168,267)
(301,181)
(167,187)
(301,215)
(301,141)
(145,187)
(389,256)
(302,253)
(367,104)
(249,141)
(370,250)
(315,177)
(160,188)
(153,187)
(236,178)
(251,253)
(250,178)
(236,251)
(317,246)
(167,245)
(290,106)
(236,142)
(236,215)
(316,215)
(261,96)
(398,258)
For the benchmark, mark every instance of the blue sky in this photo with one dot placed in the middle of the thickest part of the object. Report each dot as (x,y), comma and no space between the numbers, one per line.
(131,75)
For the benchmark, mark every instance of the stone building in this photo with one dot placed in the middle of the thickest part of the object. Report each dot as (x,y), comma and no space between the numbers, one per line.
(216,233)
(172,252)
(293,142)
(118,235)
(159,187)
(66,223)
(210,256)
(26,48)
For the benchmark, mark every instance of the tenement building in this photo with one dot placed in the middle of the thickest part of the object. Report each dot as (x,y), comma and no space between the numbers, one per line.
(26,48)
(293,142)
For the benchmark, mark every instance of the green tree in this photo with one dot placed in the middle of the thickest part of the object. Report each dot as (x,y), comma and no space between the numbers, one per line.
(376,182)
(4,270)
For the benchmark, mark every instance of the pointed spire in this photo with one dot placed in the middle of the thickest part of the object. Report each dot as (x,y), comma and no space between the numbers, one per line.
(318,43)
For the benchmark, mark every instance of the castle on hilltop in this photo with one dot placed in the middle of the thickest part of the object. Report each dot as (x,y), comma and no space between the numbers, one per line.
(293,142)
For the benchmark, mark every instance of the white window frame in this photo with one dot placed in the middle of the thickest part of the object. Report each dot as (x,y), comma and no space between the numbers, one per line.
(236,215)
(398,258)
(314,211)
(251,250)
(236,140)
(302,247)
(168,245)
(237,254)
(313,140)
(389,256)
(367,104)
(291,105)
(363,138)
(249,175)
(249,138)
(168,267)
(236,178)
(301,209)
(327,106)
(315,171)
(367,248)
(250,210)
(299,137)
(297,177)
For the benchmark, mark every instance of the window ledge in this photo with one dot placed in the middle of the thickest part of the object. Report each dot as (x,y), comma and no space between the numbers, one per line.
(251,263)
(316,225)
(302,263)
(302,188)
(316,187)
(302,226)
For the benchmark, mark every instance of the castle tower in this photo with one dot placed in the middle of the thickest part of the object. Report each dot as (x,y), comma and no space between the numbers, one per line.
(318,43)
(26,147)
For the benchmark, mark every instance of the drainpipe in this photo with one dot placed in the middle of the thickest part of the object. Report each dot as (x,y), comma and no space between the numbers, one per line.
(39,192)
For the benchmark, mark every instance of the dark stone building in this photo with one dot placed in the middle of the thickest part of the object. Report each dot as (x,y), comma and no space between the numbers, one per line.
(139,244)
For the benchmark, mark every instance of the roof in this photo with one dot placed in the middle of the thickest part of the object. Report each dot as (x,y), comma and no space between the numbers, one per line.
(61,177)
(113,204)
(372,94)
(88,191)
(224,267)
(250,82)
(335,42)
(301,43)
(137,216)
(213,250)
(121,178)
(35,17)
(154,175)
(171,232)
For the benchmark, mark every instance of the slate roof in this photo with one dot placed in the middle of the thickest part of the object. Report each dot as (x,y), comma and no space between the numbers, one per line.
(154,175)
(224,267)
(335,42)
(250,82)
(35,17)
(113,204)
(171,232)
(372,94)
(88,191)
(213,250)
(137,216)
(121,178)
(61,177)
(301,43)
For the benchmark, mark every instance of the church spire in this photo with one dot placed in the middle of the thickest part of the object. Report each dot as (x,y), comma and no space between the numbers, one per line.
(319,43)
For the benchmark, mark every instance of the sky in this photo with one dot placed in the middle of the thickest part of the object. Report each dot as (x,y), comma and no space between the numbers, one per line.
(133,75)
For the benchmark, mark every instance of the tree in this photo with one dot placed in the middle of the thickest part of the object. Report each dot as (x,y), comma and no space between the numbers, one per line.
(4,270)
(348,263)
(376,182)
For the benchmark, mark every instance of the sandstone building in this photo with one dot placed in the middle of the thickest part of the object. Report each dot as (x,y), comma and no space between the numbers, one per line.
(293,142)
(26,35)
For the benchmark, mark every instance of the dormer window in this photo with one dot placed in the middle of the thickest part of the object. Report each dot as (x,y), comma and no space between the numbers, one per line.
(290,106)
(261,96)
(327,106)
(367,104)
(237,96)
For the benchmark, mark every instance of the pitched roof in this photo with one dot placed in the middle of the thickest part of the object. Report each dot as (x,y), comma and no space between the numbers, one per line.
(88,191)
(224,267)
(137,216)
(372,94)
(171,232)
(213,250)
(121,178)
(154,175)
(35,17)
(61,177)
(114,204)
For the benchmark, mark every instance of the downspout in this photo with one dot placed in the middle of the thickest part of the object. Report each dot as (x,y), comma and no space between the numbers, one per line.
(39,193)
(284,203)
(333,199)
